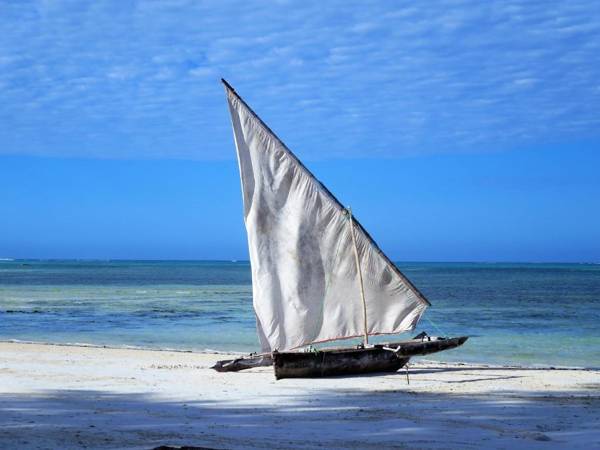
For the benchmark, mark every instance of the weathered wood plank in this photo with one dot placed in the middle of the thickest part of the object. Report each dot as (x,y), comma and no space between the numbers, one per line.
(247,362)
(426,347)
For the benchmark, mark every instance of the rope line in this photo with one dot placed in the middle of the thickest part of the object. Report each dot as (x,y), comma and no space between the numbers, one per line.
(436,327)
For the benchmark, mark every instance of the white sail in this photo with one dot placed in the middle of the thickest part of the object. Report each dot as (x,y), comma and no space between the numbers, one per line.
(304,273)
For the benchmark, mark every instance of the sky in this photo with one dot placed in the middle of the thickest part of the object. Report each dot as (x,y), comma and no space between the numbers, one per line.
(456,130)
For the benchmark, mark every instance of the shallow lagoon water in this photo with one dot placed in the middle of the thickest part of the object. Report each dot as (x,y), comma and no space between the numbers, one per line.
(522,314)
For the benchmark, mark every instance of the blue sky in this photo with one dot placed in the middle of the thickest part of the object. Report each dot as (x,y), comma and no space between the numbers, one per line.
(457,130)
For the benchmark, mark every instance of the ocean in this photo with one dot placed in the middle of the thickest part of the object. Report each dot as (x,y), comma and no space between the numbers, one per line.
(518,314)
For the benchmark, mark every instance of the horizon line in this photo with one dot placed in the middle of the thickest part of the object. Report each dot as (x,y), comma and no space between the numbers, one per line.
(233,260)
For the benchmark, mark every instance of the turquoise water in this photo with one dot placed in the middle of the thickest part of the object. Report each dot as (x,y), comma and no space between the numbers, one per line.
(530,314)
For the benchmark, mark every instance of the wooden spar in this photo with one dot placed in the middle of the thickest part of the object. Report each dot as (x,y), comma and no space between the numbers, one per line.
(360,278)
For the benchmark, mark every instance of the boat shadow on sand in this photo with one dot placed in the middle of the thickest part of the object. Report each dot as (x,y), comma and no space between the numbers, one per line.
(330,418)
(470,369)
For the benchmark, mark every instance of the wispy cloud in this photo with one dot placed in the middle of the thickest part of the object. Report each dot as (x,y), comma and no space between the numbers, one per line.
(137,80)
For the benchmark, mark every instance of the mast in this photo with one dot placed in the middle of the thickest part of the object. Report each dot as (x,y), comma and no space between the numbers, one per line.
(360,278)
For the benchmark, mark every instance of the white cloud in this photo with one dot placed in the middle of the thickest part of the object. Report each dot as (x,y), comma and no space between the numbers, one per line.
(202,72)
(121,73)
(108,79)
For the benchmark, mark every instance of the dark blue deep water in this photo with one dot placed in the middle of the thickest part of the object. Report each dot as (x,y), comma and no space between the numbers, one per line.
(529,314)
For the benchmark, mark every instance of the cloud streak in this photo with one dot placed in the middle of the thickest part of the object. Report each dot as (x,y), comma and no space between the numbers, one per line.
(377,79)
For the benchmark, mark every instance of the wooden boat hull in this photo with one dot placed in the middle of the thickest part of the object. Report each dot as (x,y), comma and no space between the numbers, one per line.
(335,362)
(352,361)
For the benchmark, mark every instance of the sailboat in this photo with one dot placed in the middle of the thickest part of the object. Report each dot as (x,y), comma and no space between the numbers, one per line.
(317,275)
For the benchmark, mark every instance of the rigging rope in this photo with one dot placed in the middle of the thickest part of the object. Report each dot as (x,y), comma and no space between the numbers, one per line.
(436,327)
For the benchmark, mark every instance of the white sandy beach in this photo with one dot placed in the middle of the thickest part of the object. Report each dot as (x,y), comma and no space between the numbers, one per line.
(85,397)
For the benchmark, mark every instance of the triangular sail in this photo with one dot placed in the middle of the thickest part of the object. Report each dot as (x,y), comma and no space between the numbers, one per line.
(304,272)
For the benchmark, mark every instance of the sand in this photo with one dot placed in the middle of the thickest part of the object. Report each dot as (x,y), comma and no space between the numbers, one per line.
(86,397)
